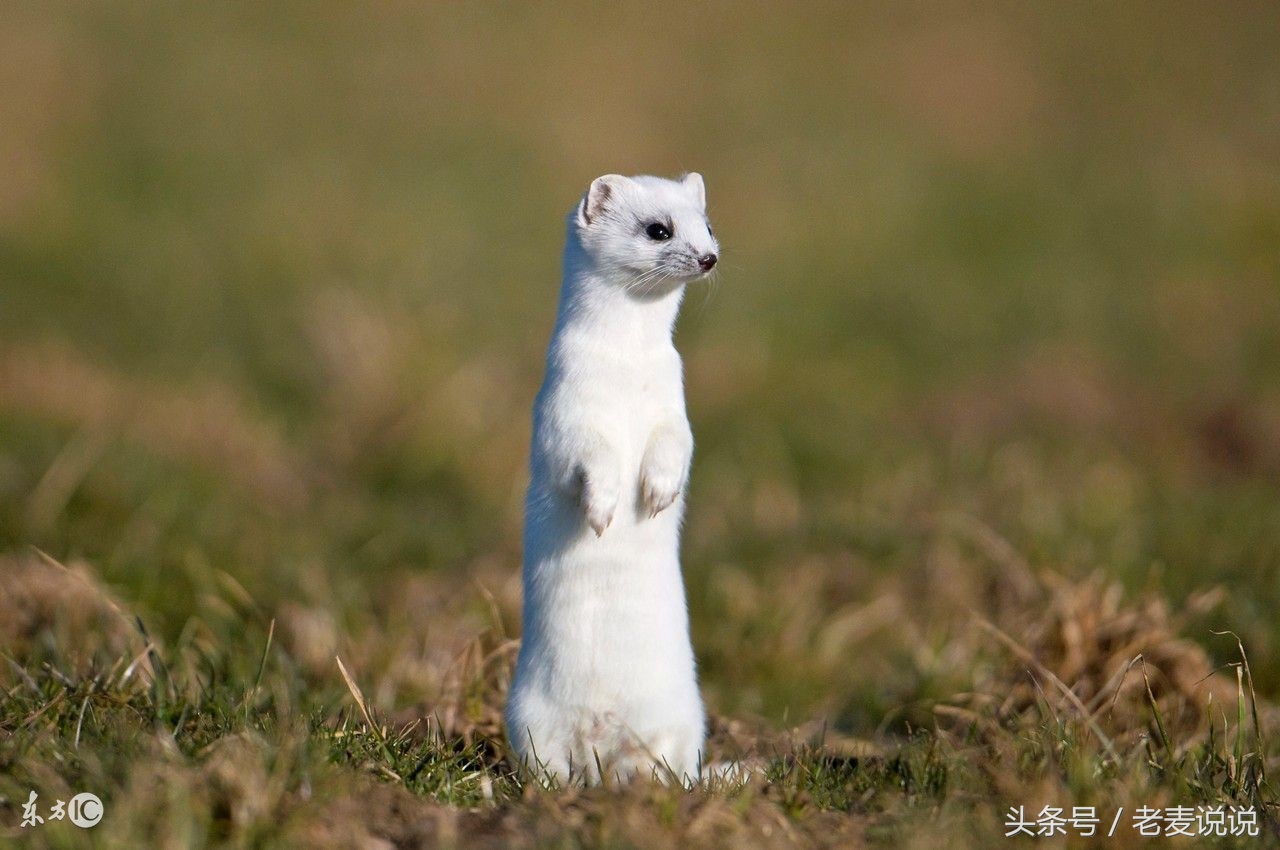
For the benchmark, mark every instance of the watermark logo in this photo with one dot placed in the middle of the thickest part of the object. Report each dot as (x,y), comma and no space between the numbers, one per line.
(1217,821)
(85,810)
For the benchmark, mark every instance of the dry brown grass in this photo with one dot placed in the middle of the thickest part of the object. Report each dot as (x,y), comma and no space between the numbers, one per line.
(1117,655)
(430,671)
(48,610)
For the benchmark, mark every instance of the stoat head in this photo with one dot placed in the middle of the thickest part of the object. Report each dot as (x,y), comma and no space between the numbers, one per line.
(649,234)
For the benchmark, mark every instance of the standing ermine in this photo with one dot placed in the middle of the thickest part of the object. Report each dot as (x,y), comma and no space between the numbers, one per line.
(606,680)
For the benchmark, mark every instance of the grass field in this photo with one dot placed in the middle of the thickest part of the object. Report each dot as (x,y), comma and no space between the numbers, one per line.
(985,509)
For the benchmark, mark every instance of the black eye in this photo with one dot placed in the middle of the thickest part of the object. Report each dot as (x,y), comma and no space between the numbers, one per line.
(658,232)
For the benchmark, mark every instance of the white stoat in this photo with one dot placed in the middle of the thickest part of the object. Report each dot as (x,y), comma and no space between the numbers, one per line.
(605,679)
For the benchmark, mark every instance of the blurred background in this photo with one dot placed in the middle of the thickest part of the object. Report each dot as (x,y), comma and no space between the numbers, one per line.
(1000,282)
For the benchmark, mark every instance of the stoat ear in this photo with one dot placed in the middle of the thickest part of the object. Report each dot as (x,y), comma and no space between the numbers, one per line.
(693,182)
(599,194)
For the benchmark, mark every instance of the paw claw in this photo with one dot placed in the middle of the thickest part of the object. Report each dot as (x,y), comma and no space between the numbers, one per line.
(599,524)
(599,504)
(659,493)
(662,472)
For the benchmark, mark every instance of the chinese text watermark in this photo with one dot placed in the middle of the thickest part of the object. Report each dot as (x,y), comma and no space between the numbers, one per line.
(1216,821)
(84,810)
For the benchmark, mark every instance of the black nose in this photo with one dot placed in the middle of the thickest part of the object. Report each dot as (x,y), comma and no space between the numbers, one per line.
(707,262)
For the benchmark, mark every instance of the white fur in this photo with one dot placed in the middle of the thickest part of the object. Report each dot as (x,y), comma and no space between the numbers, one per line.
(606,677)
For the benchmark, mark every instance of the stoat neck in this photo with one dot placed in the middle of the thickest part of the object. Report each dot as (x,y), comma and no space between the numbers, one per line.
(592,304)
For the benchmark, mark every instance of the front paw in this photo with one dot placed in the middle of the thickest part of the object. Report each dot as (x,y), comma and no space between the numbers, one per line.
(661,480)
(600,496)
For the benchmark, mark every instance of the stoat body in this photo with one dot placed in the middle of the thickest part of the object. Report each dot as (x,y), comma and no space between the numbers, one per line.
(605,679)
